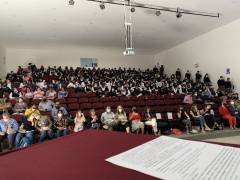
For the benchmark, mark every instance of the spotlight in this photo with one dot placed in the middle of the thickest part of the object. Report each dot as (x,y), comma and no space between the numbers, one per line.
(132,9)
(102,6)
(178,14)
(71,2)
(158,13)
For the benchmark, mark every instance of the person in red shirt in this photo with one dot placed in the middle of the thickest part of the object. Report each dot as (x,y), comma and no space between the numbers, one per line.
(135,117)
(224,112)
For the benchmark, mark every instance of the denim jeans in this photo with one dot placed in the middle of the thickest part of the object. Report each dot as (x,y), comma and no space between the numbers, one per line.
(63,132)
(26,137)
(44,134)
(10,138)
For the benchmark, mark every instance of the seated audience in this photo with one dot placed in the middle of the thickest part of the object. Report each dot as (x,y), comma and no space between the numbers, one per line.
(62,93)
(45,105)
(79,121)
(38,94)
(32,110)
(92,121)
(26,131)
(121,119)
(150,120)
(210,117)
(8,129)
(108,119)
(51,94)
(15,94)
(198,118)
(60,124)
(135,117)
(225,113)
(185,119)
(57,108)
(20,106)
(44,126)
(28,94)
(234,111)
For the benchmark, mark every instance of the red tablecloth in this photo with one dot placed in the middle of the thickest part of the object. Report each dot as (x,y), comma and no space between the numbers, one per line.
(80,156)
(74,157)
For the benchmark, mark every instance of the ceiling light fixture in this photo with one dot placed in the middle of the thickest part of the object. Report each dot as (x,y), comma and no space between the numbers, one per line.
(158,13)
(157,8)
(178,14)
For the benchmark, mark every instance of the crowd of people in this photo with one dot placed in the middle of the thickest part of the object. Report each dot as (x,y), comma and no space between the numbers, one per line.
(33,82)
(48,84)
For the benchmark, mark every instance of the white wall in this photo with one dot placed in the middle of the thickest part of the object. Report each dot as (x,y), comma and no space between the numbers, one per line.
(2,62)
(107,57)
(214,51)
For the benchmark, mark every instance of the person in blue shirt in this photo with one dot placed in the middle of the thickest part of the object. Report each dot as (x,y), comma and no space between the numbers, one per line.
(8,129)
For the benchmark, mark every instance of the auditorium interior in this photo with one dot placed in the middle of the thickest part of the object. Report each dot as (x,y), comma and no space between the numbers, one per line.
(119,89)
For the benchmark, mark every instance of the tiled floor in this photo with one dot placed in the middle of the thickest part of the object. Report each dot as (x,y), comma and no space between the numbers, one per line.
(229,140)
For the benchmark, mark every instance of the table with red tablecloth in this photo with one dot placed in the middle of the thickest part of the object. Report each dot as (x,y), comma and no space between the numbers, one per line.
(79,156)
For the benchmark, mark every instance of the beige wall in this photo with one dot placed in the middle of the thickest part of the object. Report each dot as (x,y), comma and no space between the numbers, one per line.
(214,52)
(107,57)
(2,62)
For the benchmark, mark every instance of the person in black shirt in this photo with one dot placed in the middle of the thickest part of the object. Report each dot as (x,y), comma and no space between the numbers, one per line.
(221,83)
(178,74)
(228,85)
(26,131)
(198,76)
(188,75)
(207,80)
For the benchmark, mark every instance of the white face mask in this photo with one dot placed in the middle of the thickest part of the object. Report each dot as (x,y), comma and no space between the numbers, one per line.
(120,110)
(232,103)
(108,110)
(60,115)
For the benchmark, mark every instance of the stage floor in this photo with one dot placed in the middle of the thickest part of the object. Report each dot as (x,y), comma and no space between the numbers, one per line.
(77,156)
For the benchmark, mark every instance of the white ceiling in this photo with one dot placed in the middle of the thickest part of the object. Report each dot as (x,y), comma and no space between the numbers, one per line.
(41,23)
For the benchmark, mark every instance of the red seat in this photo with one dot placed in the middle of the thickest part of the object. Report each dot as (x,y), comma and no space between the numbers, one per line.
(83,100)
(73,113)
(73,106)
(140,103)
(17,117)
(93,99)
(86,106)
(92,94)
(36,101)
(73,95)
(72,100)
(124,98)
(97,105)
(114,99)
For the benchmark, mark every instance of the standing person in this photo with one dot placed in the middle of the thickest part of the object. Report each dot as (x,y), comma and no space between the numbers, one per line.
(8,129)
(207,80)
(188,75)
(135,117)
(198,76)
(224,112)
(178,74)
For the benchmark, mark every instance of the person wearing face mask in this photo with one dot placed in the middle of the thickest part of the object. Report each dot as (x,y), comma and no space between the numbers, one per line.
(57,108)
(44,126)
(8,129)
(122,122)
(60,124)
(108,119)
(225,113)
(92,121)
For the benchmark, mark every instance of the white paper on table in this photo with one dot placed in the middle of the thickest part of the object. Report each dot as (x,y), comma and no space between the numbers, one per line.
(158,115)
(170,115)
(176,159)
